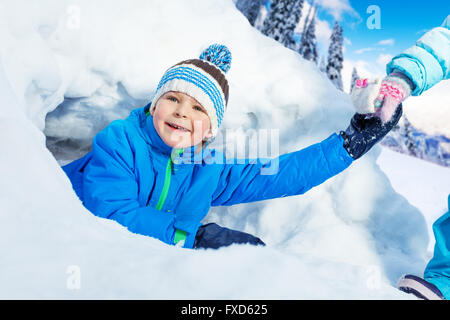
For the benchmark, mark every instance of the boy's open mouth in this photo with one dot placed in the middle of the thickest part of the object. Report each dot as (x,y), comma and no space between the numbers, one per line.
(174,126)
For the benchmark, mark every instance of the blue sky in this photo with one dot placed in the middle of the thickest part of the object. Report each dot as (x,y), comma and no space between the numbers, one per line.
(401,23)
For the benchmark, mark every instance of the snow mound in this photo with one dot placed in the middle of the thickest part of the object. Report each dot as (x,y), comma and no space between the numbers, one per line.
(67,70)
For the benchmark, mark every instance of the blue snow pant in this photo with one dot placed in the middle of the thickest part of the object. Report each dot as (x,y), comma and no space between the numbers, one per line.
(438,269)
(213,236)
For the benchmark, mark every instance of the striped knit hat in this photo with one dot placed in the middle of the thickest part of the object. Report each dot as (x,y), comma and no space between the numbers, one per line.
(203,79)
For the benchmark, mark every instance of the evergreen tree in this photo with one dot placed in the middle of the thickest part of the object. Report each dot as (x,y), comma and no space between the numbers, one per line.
(335,56)
(355,76)
(282,20)
(305,27)
(291,24)
(250,9)
(308,44)
(323,64)
(263,11)
(407,133)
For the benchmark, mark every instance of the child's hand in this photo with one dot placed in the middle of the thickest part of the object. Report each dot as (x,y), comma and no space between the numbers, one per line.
(395,88)
(364,93)
(365,131)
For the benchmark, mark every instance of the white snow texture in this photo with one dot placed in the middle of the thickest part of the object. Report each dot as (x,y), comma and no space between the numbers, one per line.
(349,238)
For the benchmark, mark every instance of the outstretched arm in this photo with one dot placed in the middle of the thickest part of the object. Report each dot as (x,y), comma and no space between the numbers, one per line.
(297,172)
(428,61)
(289,174)
(415,70)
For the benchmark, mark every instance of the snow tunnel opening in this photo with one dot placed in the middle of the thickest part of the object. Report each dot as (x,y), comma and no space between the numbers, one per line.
(71,126)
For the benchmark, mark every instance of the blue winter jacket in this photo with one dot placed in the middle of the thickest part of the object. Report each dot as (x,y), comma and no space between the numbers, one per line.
(428,61)
(133,177)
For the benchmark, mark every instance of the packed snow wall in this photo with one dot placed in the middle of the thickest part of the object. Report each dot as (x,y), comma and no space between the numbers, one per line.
(68,69)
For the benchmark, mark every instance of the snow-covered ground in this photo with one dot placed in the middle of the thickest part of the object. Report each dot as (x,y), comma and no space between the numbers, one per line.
(350,238)
(436,99)
(424,184)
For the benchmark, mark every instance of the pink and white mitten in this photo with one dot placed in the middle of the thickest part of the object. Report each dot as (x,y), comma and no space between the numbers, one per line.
(394,90)
(364,93)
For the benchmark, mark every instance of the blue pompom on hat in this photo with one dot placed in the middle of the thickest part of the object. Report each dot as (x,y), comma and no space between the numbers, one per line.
(219,55)
(203,79)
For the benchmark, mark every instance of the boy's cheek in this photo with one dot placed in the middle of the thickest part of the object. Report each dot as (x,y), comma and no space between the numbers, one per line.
(202,133)
(202,128)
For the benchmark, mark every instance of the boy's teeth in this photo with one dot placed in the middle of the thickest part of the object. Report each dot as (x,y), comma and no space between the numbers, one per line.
(177,127)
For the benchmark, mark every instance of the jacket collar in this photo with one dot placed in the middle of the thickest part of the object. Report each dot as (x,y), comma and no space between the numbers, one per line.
(154,137)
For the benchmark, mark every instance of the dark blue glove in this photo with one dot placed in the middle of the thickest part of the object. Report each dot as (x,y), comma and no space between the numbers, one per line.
(213,236)
(365,131)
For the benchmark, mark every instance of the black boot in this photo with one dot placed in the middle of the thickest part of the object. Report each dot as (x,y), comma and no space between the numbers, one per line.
(420,288)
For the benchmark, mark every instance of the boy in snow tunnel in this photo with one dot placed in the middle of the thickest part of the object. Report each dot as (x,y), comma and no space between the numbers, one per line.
(154,173)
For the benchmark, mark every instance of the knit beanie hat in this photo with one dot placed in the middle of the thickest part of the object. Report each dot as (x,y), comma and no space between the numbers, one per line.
(203,79)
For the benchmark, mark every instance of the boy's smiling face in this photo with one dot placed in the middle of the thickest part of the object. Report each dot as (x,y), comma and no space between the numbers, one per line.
(180,120)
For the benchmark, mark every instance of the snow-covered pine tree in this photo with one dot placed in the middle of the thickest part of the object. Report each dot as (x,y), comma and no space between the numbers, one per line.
(323,64)
(250,9)
(355,76)
(401,138)
(282,20)
(407,133)
(308,44)
(305,24)
(305,27)
(274,23)
(335,56)
(291,24)
(263,12)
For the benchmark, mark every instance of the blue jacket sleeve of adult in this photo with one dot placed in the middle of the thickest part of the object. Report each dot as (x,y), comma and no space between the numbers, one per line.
(428,61)
(110,189)
(287,175)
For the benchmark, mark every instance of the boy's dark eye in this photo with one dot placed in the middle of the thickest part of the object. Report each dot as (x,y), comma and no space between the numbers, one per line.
(171,98)
(198,108)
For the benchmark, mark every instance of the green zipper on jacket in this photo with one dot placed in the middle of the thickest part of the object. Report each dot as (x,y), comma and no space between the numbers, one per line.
(180,235)
(165,190)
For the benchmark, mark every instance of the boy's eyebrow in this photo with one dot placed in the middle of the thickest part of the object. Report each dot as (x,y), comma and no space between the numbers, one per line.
(171,92)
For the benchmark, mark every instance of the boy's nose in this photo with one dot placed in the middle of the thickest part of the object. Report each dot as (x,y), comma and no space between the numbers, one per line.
(181,110)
